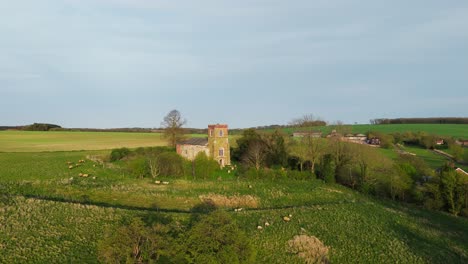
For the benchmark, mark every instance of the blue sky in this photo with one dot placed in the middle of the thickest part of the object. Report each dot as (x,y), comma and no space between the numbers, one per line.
(127,63)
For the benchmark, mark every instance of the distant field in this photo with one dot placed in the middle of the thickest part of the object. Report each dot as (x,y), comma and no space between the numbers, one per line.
(453,130)
(32,141)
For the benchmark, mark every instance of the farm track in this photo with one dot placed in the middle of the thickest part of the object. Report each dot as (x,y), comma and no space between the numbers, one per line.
(314,206)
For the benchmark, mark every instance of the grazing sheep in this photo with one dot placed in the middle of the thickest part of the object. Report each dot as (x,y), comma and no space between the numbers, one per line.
(238,209)
(80,174)
(165,182)
(94,177)
(290,215)
(85,175)
(259,227)
(250,186)
(157,182)
(70,167)
(286,219)
(267,224)
(69,162)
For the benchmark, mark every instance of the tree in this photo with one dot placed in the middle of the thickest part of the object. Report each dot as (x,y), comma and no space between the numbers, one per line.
(299,150)
(172,124)
(135,243)
(154,165)
(315,148)
(453,187)
(255,155)
(276,149)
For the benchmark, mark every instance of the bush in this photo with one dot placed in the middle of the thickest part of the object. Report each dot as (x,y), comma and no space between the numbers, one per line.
(118,154)
(204,167)
(171,164)
(138,167)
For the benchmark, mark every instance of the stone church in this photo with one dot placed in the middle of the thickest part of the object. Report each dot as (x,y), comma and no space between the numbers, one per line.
(215,146)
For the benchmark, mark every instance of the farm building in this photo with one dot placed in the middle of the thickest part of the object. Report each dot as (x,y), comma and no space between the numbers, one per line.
(216,145)
(314,134)
(356,138)
(462,142)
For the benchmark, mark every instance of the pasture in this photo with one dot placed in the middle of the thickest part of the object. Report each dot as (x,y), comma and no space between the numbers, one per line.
(49,214)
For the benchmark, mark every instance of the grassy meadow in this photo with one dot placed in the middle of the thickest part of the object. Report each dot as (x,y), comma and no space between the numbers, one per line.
(48,214)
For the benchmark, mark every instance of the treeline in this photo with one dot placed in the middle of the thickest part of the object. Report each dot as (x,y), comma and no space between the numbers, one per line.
(2,128)
(40,127)
(429,120)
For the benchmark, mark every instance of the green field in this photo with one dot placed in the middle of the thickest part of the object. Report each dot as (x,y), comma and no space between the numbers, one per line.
(451,130)
(51,217)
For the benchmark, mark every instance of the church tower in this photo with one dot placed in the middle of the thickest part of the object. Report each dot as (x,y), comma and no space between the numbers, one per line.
(218,144)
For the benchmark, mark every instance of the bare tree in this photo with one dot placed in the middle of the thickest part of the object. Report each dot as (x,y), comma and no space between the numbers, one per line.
(255,155)
(154,165)
(172,124)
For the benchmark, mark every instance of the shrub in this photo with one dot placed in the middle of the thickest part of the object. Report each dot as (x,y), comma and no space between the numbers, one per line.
(204,167)
(309,248)
(138,167)
(118,154)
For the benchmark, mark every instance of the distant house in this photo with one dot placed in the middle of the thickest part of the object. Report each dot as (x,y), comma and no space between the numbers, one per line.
(314,134)
(440,142)
(215,146)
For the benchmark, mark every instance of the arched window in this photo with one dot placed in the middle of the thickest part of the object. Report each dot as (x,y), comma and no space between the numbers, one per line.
(221,152)
(221,133)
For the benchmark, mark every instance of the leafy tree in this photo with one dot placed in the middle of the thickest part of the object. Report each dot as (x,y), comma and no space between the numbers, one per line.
(453,188)
(243,143)
(328,168)
(135,243)
(216,238)
(276,149)
(172,124)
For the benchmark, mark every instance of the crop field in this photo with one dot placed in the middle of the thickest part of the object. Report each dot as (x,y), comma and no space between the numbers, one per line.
(36,141)
(50,215)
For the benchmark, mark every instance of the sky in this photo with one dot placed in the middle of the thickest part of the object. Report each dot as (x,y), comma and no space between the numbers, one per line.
(127,63)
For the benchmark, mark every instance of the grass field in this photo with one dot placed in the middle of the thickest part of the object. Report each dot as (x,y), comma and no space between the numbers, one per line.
(452,130)
(52,218)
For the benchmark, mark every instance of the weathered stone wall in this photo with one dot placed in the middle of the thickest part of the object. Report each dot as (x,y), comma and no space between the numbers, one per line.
(191,151)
